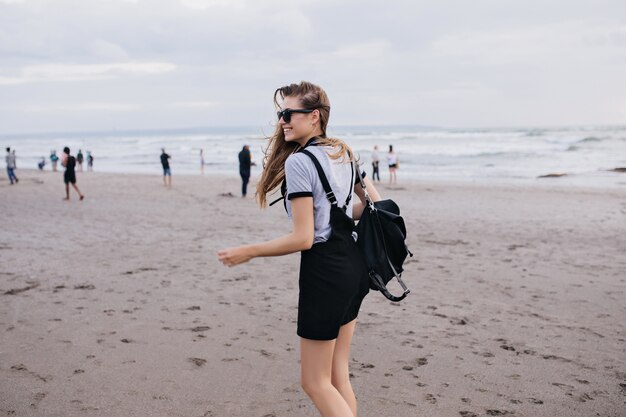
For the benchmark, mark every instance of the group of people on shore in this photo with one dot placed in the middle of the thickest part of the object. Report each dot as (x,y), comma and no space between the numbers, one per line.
(67,160)
(80,158)
(392,162)
(245,165)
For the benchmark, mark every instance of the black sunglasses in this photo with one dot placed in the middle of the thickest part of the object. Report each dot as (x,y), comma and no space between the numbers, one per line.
(286,114)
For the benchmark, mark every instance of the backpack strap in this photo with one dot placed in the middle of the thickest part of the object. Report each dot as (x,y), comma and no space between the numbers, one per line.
(330,195)
(327,188)
(368,199)
(283,192)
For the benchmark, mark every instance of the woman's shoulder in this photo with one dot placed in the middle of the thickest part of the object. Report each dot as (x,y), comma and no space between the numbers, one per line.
(299,162)
(296,158)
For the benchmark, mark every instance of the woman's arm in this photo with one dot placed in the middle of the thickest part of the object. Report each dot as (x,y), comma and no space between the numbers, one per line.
(300,238)
(358,206)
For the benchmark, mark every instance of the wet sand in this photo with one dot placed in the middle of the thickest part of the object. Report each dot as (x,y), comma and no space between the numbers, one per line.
(117,305)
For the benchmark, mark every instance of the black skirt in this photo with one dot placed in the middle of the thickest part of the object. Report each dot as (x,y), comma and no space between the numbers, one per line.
(333,282)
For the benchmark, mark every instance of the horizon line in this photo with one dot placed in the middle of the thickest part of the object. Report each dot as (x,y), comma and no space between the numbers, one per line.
(239,128)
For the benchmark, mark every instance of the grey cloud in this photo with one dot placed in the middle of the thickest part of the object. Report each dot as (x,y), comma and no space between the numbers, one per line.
(451,62)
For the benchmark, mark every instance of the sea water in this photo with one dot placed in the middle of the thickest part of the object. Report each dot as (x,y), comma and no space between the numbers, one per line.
(516,155)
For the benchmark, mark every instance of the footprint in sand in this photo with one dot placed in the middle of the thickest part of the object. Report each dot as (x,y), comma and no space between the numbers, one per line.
(267,354)
(200,329)
(22,368)
(430,398)
(14,291)
(421,361)
(85,287)
(37,398)
(197,361)
(497,412)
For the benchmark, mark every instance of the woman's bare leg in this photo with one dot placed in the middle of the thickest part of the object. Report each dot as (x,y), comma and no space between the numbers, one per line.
(340,376)
(316,362)
(77,190)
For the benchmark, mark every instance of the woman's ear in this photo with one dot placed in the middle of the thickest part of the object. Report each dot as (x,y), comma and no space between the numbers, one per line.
(315,116)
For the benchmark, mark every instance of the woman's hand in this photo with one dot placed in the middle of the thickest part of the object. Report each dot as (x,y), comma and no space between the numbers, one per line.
(234,256)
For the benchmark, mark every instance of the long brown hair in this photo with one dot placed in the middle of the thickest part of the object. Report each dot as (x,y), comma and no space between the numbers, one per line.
(278,150)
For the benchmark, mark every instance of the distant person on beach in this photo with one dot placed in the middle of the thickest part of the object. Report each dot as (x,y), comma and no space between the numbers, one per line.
(79,160)
(202,161)
(89,161)
(333,279)
(245,162)
(54,159)
(393,163)
(11,166)
(167,173)
(375,163)
(42,163)
(69,177)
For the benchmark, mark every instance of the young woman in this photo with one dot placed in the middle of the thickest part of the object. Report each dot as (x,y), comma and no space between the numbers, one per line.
(333,280)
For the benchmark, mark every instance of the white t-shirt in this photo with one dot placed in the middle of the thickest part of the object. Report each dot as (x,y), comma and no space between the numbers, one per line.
(10,158)
(303,181)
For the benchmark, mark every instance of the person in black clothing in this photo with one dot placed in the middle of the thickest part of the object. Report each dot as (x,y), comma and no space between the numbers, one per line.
(245,162)
(69,177)
(167,174)
(375,164)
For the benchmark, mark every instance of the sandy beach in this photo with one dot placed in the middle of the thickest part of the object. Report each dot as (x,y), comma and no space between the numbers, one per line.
(117,305)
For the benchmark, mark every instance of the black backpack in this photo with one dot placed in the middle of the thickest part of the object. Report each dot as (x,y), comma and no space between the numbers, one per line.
(381,235)
(381,238)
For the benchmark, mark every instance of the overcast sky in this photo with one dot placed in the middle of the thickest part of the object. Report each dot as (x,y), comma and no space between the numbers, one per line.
(88,65)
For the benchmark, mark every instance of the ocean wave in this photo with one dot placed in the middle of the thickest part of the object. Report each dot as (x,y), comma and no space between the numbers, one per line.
(494,154)
(441,153)
(591,139)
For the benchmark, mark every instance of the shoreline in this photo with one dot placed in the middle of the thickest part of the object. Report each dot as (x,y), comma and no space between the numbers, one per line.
(404,183)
